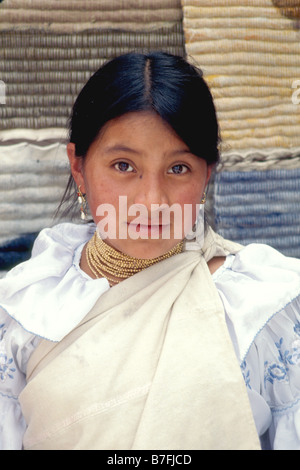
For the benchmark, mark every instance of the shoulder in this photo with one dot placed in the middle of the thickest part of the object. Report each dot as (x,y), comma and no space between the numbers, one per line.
(254,285)
(49,294)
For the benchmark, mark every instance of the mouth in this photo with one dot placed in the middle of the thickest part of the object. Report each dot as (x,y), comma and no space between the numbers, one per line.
(148,229)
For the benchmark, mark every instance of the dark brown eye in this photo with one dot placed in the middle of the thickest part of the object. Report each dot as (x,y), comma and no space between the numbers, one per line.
(178,169)
(123,167)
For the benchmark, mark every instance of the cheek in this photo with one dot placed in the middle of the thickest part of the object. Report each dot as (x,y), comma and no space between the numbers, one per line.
(105,204)
(98,189)
(189,202)
(101,200)
(192,196)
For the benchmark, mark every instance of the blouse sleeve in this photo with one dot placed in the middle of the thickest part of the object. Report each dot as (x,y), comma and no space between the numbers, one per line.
(16,346)
(272,370)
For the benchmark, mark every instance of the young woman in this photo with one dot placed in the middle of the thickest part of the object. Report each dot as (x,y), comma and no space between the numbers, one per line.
(143,329)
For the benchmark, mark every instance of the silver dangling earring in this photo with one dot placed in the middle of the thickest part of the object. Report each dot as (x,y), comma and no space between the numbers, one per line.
(82,202)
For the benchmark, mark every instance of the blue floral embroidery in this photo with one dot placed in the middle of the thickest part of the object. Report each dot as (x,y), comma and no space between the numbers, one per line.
(246,374)
(274,372)
(5,369)
(297,329)
(286,358)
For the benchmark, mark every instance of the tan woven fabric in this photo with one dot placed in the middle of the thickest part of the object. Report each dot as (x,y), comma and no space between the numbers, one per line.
(44,72)
(70,16)
(250,54)
(48,50)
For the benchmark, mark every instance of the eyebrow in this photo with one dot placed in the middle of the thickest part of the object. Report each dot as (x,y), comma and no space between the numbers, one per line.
(120,148)
(126,149)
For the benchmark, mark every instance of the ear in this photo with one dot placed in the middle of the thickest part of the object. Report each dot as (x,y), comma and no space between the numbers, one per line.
(76,165)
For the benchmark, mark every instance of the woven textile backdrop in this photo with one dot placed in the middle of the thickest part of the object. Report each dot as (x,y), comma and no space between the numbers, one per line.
(249,51)
(250,55)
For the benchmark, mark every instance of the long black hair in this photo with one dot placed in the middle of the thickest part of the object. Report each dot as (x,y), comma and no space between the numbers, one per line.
(155,81)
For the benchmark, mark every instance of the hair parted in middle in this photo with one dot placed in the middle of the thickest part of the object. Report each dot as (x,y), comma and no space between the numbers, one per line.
(156,81)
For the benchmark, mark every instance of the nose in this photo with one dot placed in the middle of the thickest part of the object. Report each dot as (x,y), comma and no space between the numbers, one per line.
(151,189)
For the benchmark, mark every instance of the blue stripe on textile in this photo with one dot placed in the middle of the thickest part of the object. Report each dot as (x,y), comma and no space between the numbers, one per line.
(16,251)
(259,206)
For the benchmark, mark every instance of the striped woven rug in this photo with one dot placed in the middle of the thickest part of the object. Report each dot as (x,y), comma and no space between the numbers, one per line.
(259,207)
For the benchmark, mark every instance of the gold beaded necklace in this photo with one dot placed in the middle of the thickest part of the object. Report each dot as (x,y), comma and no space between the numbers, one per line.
(105,261)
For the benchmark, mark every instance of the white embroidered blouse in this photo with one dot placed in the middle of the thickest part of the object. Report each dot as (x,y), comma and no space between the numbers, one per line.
(260,290)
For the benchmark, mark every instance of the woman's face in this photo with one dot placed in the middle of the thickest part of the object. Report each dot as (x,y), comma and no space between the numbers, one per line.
(142,184)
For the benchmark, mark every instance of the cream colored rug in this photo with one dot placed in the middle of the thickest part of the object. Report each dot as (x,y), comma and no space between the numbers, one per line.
(249,51)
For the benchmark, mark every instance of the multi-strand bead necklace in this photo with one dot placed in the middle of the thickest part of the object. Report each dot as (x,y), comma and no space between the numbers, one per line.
(105,261)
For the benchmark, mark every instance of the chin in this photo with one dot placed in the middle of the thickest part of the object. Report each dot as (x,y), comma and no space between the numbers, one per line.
(146,249)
